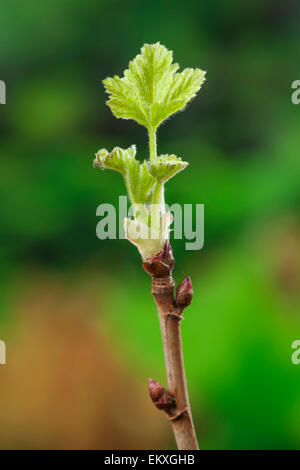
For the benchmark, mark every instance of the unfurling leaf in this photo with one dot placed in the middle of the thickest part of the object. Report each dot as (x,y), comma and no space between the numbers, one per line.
(118,159)
(151,90)
(166,166)
(139,182)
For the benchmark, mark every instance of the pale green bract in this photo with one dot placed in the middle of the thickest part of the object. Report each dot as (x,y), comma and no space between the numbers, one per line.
(151,90)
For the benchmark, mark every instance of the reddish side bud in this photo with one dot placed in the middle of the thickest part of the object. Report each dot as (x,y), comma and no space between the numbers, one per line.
(184,293)
(161,397)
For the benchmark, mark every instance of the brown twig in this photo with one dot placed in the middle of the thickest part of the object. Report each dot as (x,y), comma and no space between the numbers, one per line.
(175,400)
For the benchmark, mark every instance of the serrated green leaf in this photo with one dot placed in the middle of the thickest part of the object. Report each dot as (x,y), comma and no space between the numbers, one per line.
(183,88)
(124,101)
(138,180)
(151,90)
(165,167)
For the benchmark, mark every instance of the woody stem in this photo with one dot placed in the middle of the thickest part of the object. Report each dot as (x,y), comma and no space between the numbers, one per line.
(170,324)
(170,313)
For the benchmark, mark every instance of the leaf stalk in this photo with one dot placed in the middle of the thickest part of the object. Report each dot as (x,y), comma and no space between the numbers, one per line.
(152,143)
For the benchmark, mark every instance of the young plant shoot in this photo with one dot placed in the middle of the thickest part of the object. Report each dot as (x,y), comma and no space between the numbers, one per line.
(150,91)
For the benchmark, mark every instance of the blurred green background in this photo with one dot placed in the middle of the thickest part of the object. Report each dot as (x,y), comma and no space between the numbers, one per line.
(76,313)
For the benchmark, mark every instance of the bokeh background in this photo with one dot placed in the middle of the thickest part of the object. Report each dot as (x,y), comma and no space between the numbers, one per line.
(76,313)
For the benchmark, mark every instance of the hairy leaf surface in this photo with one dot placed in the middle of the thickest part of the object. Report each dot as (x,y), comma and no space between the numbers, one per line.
(166,166)
(151,89)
